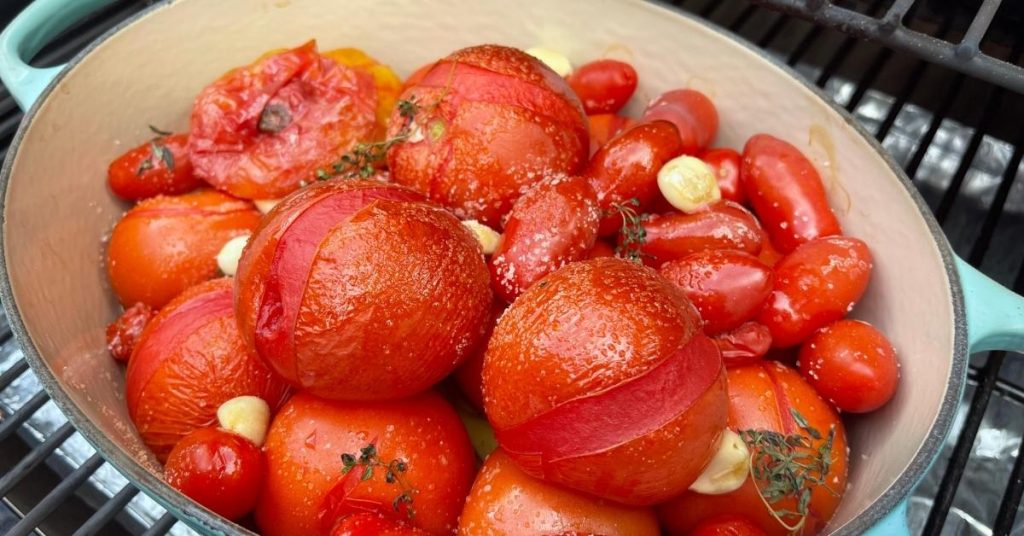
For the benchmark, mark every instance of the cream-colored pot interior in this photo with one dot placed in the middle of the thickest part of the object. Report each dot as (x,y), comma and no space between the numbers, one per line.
(58,210)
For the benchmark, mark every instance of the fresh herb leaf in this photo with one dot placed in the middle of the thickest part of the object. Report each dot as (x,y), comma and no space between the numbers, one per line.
(361,162)
(144,166)
(368,460)
(633,234)
(164,154)
(159,131)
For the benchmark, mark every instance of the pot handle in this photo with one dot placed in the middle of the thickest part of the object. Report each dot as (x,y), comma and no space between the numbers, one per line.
(27,34)
(893,524)
(995,314)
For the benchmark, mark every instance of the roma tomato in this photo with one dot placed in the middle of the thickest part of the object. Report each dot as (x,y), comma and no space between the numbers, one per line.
(727,287)
(158,167)
(307,491)
(552,224)
(605,127)
(763,397)
(331,270)
(815,285)
(220,470)
(468,374)
(786,192)
(627,168)
(745,345)
(693,114)
(262,129)
(375,524)
(505,501)
(164,245)
(388,85)
(605,341)
(490,122)
(123,334)
(726,165)
(603,86)
(727,525)
(190,360)
(851,364)
(725,225)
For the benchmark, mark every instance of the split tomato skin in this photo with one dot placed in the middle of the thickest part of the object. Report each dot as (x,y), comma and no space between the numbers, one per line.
(727,525)
(167,244)
(693,114)
(372,524)
(786,192)
(220,470)
(490,122)
(554,223)
(189,360)
(815,285)
(505,501)
(723,226)
(158,167)
(726,163)
(385,81)
(744,345)
(123,334)
(308,436)
(851,364)
(603,86)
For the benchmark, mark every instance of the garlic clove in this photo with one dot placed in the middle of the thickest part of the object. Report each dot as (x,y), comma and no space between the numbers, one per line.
(247,416)
(728,469)
(688,184)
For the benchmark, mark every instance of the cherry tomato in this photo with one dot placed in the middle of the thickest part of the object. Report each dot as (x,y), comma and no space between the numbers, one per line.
(727,525)
(604,86)
(160,166)
(374,524)
(816,284)
(693,114)
(627,168)
(769,255)
(552,224)
(605,127)
(726,165)
(388,85)
(727,287)
(744,345)
(124,333)
(851,364)
(725,225)
(601,249)
(220,470)
(262,129)
(786,192)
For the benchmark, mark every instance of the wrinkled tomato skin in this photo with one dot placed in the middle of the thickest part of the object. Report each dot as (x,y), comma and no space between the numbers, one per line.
(370,524)
(164,245)
(190,360)
(744,345)
(760,398)
(725,225)
(505,501)
(726,287)
(220,470)
(627,167)
(554,223)
(693,114)
(605,127)
(603,86)
(123,334)
(309,435)
(322,108)
(138,173)
(727,525)
(851,364)
(491,121)
(386,82)
(786,192)
(815,285)
(566,349)
(725,163)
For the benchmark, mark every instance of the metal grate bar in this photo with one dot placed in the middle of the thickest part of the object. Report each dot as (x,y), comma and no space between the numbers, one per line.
(16,419)
(897,11)
(55,498)
(933,127)
(108,511)
(998,203)
(8,376)
(949,196)
(24,467)
(1011,499)
(773,31)
(868,79)
(972,39)
(161,526)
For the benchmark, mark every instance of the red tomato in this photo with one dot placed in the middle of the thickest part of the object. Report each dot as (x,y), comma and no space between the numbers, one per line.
(123,334)
(851,364)
(744,345)
(769,255)
(165,245)
(491,122)
(627,168)
(727,287)
(786,192)
(161,166)
(305,483)
(552,224)
(262,129)
(387,83)
(417,75)
(725,225)
(815,285)
(726,165)
(468,374)
(374,524)
(604,86)
(693,114)
(505,500)
(190,360)
(727,525)
(220,470)
(601,249)
(605,127)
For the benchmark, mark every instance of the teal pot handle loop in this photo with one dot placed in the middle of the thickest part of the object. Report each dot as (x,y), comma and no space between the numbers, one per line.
(27,34)
(995,314)
(893,524)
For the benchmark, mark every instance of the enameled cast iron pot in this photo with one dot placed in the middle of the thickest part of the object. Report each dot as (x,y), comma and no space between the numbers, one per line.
(57,209)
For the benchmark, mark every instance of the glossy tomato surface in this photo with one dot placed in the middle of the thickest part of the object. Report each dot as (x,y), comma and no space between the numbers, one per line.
(505,501)
(603,86)
(851,364)
(725,163)
(166,244)
(605,127)
(468,374)
(161,166)
(491,121)
(262,129)
(727,287)
(189,360)
(308,437)
(723,226)
(375,524)
(693,114)
(727,525)
(220,470)
(597,378)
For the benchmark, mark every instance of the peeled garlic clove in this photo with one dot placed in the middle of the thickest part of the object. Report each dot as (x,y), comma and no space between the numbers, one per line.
(264,205)
(227,258)
(487,237)
(247,416)
(728,469)
(688,184)
(554,60)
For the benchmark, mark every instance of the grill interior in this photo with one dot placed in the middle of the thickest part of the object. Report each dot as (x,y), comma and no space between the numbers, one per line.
(954,124)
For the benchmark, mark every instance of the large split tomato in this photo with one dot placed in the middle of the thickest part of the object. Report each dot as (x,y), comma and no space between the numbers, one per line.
(598,378)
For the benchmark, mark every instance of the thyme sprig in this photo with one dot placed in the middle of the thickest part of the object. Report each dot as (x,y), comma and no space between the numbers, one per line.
(361,162)
(633,234)
(159,151)
(369,463)
(789,467)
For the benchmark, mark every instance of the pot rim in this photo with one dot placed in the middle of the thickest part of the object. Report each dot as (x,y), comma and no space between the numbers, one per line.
(208,522)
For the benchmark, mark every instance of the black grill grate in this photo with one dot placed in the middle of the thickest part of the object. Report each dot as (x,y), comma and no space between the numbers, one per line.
(965,159)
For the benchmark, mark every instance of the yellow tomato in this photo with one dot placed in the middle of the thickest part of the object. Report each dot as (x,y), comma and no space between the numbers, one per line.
(389,85)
